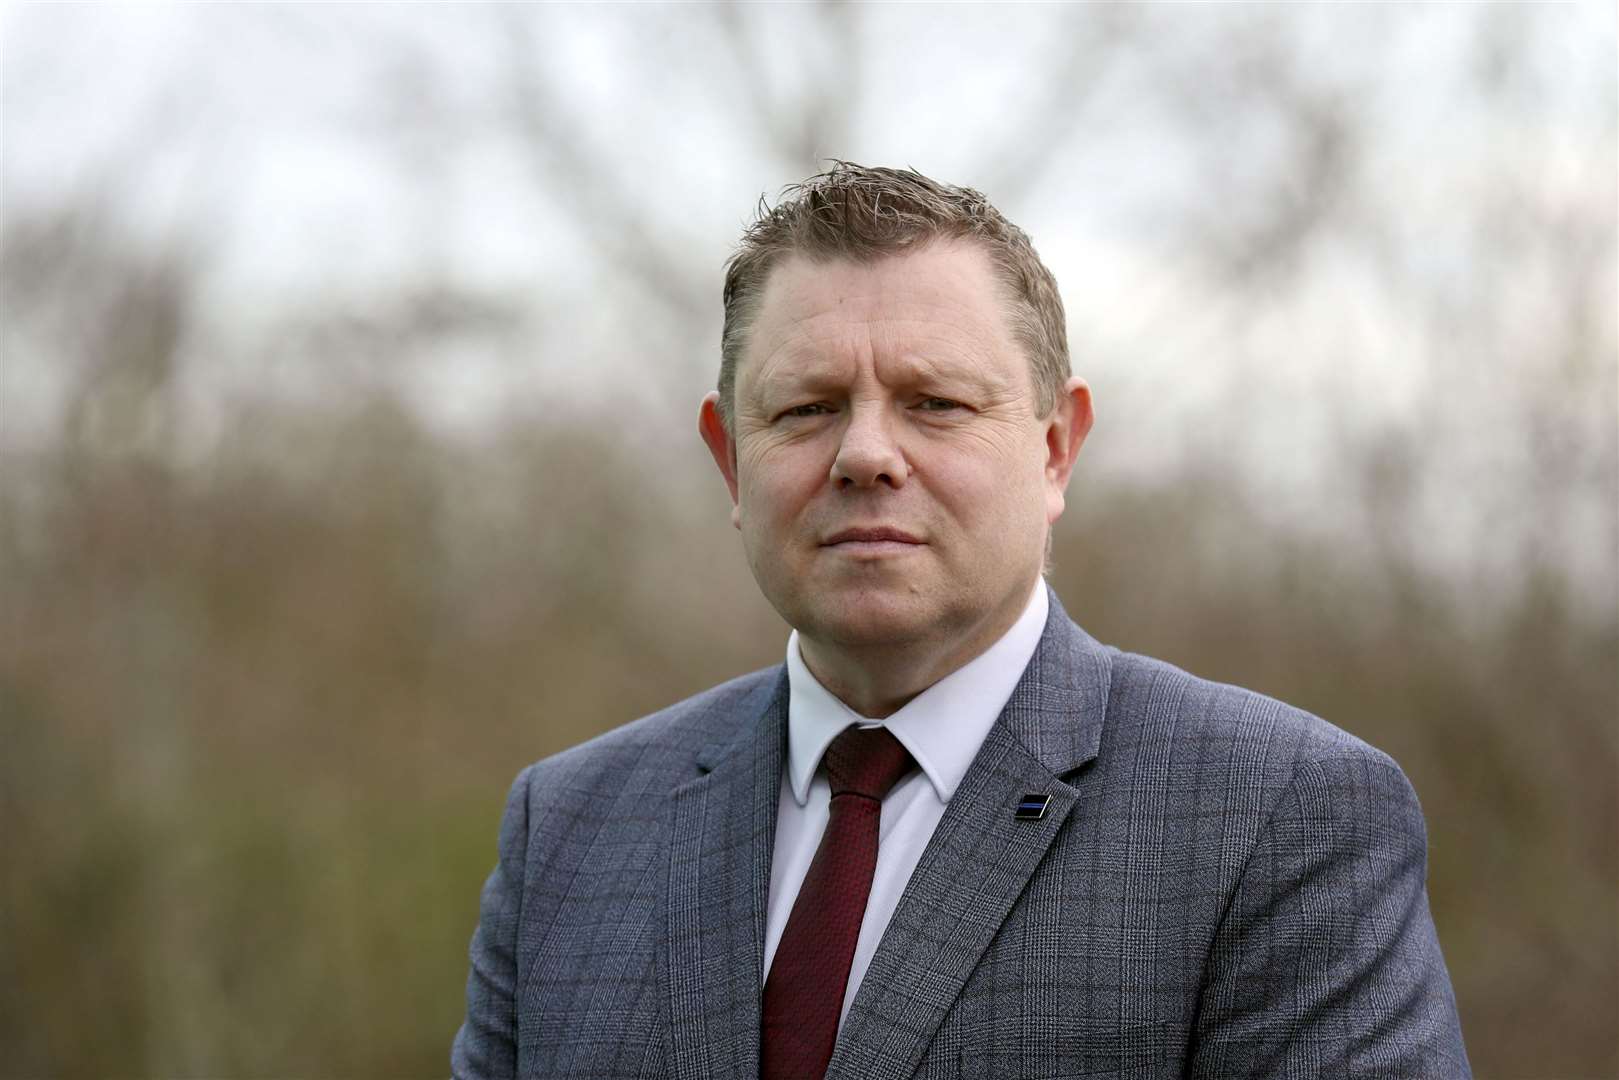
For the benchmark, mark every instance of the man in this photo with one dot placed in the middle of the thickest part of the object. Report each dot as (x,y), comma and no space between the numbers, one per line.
(951,835)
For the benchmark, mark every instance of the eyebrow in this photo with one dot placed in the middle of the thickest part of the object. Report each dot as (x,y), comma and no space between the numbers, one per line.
(919,368)
(809,371)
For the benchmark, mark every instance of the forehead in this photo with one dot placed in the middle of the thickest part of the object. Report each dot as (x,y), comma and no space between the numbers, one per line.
(941,304)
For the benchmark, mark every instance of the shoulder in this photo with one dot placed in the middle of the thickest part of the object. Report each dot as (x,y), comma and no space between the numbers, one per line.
(1254,749)
(660,750)
(1151,698)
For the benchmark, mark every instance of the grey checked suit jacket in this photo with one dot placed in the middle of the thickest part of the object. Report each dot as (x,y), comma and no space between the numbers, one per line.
(1222,886)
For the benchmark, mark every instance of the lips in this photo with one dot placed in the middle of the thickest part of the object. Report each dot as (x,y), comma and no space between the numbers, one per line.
(879,534)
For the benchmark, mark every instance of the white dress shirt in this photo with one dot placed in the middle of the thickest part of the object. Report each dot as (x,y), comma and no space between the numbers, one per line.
(942,727)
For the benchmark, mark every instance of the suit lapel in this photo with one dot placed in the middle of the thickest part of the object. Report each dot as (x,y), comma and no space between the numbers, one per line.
(980,857)
(724,826)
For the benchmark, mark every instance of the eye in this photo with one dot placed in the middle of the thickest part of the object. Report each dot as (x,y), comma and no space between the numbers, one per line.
(937,404)
(814,408)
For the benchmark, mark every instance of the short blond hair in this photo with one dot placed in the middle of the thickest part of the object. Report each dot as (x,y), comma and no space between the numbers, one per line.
(862,213)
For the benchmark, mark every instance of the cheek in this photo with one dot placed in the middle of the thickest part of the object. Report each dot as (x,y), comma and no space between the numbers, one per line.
(990,487)
(777,491)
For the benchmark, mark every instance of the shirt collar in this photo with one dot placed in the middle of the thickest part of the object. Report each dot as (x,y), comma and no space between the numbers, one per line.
(942,727)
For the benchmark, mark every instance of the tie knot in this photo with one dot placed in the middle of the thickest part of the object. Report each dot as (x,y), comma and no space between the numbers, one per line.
(866,761)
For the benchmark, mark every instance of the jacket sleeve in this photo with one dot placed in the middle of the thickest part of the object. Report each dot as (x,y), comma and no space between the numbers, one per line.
(1326,962)
(486,1045)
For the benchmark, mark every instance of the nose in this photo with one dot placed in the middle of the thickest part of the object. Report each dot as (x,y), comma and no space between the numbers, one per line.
(869,455)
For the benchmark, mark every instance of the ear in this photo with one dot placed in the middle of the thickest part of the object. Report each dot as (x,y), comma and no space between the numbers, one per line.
(1065,433)
(721,447)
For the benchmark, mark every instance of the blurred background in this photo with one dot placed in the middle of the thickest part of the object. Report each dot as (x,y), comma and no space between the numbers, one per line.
(350,373)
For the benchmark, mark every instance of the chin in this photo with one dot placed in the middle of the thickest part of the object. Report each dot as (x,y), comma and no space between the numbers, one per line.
(871,621)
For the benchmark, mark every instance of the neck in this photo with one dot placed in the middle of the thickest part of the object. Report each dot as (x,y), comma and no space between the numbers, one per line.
(877,680)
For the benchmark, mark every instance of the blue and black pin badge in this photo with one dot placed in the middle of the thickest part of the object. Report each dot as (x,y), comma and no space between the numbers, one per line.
(1031,807)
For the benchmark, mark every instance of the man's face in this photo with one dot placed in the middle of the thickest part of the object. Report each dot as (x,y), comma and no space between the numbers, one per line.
(891,478)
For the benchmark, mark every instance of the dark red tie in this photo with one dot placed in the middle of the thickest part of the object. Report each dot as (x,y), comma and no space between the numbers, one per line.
(803,995)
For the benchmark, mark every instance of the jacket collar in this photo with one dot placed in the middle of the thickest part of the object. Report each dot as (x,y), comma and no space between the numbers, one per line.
(1057,709)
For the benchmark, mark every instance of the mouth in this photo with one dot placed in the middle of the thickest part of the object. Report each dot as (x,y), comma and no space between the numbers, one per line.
(876,540)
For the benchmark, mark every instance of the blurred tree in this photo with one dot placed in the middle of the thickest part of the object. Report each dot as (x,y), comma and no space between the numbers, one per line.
(277,634)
